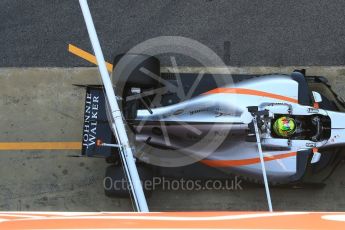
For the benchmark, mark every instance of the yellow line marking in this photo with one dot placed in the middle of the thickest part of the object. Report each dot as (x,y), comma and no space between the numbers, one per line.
(87,56)
(54,145)
(40,145)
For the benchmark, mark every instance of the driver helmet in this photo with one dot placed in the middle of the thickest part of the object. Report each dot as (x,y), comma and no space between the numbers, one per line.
(284,126)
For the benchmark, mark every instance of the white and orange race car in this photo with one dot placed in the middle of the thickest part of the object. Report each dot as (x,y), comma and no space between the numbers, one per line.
(180,119)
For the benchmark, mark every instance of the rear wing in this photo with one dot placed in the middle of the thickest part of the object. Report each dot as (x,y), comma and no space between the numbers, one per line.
(96,127)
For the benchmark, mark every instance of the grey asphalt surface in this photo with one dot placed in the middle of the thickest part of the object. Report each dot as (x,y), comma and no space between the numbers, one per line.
(259,33)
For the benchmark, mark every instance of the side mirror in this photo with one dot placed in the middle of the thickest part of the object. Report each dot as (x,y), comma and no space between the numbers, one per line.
(316,157)
(317,97)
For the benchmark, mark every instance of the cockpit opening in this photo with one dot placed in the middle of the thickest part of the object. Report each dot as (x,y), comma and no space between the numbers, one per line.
(312,127)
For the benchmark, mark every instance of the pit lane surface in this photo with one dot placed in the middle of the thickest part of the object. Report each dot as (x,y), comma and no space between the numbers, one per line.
(42,105)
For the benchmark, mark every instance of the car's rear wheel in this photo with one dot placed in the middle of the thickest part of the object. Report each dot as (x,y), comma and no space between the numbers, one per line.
(136,70)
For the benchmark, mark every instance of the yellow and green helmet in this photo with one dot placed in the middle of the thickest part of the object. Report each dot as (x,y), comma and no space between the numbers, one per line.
(284,126)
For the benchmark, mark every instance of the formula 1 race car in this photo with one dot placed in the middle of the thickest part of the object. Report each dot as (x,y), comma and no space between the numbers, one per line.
(209,120)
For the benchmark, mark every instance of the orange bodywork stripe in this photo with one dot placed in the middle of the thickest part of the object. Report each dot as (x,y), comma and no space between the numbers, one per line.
(40,145)
(250,161)
(251,92)
(87,56)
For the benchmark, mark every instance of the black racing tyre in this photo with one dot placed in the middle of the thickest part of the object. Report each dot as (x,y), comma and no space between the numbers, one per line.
(115,183)
(327,104)
(132,70)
